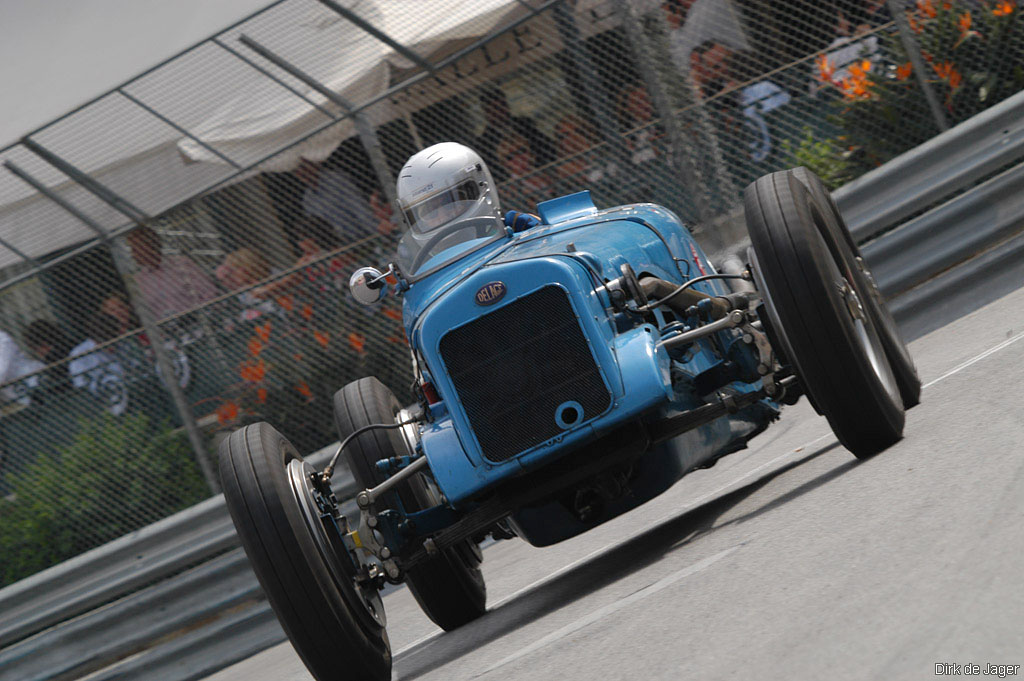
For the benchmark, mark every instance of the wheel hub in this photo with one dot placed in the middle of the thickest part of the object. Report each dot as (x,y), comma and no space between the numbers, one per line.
(868,338)
(353,577)
(853,304)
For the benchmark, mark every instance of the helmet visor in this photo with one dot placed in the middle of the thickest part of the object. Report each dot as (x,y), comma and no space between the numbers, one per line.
(440,209)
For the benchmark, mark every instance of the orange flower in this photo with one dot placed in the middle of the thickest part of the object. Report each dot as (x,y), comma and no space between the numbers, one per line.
(949,73)
(398,340)
(263,331)
(964,24)
(947,6)
(825,68)
(915,25)
(297,356)
(321,337)
(955,79)
(255,346)
(226,413)
(253,373)
(393,314)
(903,72)
(287,302)
(926,8)
(261,395)
(307,312)
(943,70)
(357,341)
(1004,8)
(858,85)
(304,390)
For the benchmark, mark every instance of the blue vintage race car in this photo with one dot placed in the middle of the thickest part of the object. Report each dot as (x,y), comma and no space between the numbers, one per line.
(566,373)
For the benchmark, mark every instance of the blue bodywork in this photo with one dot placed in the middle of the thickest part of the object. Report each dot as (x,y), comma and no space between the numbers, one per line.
(579,248)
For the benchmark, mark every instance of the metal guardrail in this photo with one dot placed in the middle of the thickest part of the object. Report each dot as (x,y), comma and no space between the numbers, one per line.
(934,170)
(957,255)
(949,234)
(108,572)
(184,578)
(177,600)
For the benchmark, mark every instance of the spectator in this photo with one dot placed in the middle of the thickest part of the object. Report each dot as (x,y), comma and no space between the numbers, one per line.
(168,284)
(500,124)
(694,22)
(47,342)
(383,213)
(116,305)
(710,68)
(757,101)
(331,196)
(583,167)
(15,364)
(635,115)
(100,371)
(242,269)
(527,185)
(740,108)
(315,238)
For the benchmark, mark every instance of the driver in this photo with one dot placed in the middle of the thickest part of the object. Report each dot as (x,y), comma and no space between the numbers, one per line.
(449,182)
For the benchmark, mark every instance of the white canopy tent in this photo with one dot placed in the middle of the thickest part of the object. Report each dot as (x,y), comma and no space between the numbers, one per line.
(245,125)
(236,115)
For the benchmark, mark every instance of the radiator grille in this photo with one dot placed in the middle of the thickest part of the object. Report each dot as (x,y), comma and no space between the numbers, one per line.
(512,369)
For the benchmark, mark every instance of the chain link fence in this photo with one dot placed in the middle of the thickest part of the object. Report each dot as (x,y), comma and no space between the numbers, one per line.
(174,255)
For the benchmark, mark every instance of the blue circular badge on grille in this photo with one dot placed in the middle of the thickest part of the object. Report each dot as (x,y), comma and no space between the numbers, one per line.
(490,293)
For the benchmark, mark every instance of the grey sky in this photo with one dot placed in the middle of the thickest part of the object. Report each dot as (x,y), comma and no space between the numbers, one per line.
(58,54)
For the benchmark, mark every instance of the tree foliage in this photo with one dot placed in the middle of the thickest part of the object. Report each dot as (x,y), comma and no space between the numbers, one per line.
(117,475)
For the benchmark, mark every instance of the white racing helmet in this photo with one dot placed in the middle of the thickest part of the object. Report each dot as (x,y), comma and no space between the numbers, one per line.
(442,184)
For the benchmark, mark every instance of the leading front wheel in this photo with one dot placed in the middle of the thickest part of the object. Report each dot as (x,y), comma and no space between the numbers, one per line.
(287,529)
(830,337)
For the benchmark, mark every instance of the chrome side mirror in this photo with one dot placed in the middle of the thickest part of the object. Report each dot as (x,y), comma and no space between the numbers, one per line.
(367,285)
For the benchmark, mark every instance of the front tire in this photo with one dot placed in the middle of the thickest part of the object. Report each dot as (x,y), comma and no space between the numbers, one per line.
(335,627)
(856,269)
(450,587)
(833,342)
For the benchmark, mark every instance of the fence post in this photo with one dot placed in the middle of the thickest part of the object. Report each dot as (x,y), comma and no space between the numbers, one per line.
(122,262)
(371,143)
(569,32)
(898,9)
(680,158)
(704,152)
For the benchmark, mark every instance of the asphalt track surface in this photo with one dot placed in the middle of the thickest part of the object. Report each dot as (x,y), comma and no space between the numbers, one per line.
(788,560)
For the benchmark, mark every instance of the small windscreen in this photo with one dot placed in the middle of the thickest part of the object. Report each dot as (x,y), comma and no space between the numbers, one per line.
(420,253)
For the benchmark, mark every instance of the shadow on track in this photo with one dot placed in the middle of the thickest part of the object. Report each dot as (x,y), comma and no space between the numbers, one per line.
(618,562)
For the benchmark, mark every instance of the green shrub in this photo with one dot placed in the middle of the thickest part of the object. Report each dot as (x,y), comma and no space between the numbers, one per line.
(826,159)
(119,474)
